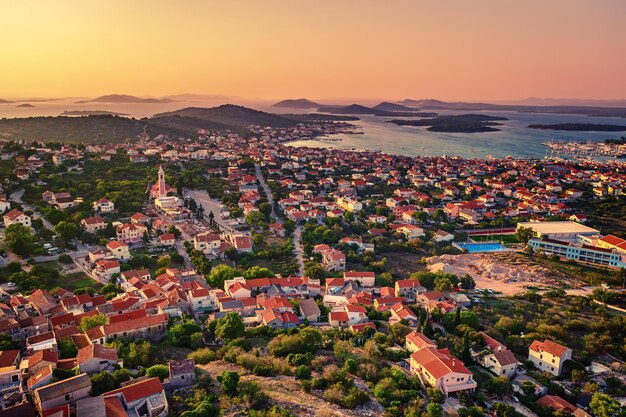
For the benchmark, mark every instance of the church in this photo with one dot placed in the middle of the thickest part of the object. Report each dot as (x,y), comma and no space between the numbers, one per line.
(171,205)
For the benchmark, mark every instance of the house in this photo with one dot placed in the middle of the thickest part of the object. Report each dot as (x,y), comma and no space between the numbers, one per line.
(66,391)
(143,398)
(411,231)
(15,216)
(275,319)
(93,224)
(96,358)
(408,287)
(442,236)
(549,356)
(415,341)
(10,378)
(207,243)
(41,341)
(103,206)
(130,232)
(167,240)
(136,325)
(182,373)
(556,403)
(442,370)
(105,269)
(277,229)
(309,310)
(333,260)
(401,312)
(119,250)
(502,363)
(242,243)
(365,279)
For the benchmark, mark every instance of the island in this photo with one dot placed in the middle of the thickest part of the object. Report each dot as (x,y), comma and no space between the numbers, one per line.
(125,98)
(580,127)
(91,113)
(25,105)
(461,123)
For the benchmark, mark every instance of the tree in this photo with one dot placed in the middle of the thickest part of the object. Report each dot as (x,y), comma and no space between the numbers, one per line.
(230,327)
(604,405)
(221,273)
(443,284)
(102,382)
(66,230)
(229,381)
(258,272)
(315,271)
(467,282)
(180,333)
(90,322)
(67,348)
(466,354)
(302,372)
(524,234)
(18,239)
(161,371)
(7,342)
(499,386)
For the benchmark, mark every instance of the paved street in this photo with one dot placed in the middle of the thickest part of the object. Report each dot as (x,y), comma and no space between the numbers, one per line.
(298,251)
(268,192)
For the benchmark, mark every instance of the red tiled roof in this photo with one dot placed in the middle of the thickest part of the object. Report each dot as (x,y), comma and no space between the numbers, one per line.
(134,392)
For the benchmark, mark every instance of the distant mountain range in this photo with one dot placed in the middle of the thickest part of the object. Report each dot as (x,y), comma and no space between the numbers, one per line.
(124,98)
(300,103)
(101,128)
(376,111)
(462,106)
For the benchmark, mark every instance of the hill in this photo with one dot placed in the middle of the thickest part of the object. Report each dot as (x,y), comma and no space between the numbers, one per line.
(580,127)
(2,101)
(91,113)
(386,106)
(25,105)
(462,123)
(463,106)
(300,103)
(124,98)
(232,115)
(88,129)
(351,109)
(359,109)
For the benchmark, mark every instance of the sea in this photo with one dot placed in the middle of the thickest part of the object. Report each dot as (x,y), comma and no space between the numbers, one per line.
(514,138)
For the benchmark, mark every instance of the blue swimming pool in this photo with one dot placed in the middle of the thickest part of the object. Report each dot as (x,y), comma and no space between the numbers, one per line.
(480,247)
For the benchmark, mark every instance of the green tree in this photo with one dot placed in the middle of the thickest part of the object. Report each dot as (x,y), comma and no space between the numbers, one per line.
(181,332)
(229,381)
(66,230)
(18,239)
(161,371)
(90,322)
(230,327)
(499,386)
(67,348)
(221,273)
(102,382)
(466,354)
(7,342)
(604,405)
(443,284)
(258,272)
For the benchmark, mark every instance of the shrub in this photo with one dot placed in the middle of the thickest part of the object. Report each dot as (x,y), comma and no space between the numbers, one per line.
(202,356)
(303,372)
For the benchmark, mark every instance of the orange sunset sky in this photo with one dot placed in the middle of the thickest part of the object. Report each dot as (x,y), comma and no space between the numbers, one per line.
(445,49)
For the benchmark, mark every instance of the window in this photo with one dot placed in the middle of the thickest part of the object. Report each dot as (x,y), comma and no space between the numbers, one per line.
(14,378)
(67,397)
(182,377)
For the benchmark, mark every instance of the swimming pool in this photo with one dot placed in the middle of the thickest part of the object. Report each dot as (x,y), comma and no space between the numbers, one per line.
(480,247)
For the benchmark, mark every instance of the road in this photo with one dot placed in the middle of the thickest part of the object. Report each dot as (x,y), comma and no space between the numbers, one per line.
(268,192)
(298,249)
(17,197)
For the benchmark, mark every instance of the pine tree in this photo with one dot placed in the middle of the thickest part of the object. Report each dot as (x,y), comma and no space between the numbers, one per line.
(466,354)
(457,317)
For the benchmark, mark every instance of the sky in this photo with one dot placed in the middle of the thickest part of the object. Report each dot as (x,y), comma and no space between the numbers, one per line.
(444,49)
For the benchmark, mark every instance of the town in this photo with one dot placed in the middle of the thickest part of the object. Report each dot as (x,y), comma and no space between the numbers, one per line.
(234,272)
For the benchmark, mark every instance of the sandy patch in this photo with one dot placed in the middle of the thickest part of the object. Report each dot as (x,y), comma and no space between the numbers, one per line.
(507,272)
